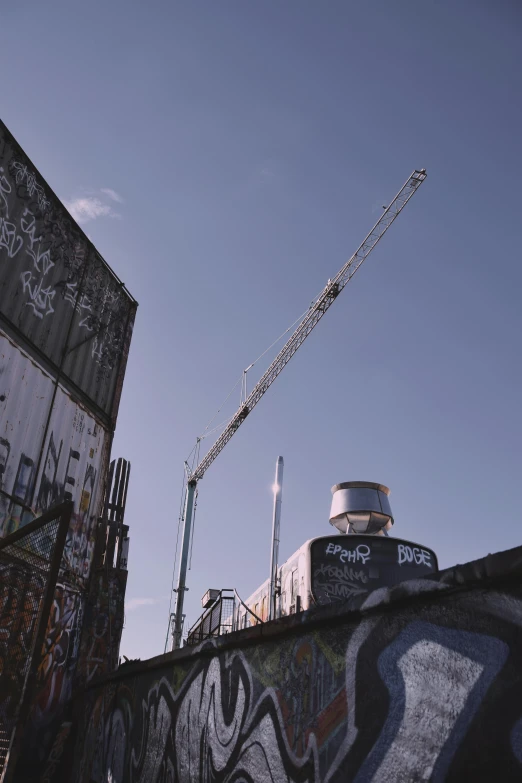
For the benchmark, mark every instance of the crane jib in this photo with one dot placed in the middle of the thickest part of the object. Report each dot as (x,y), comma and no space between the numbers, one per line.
(313,316)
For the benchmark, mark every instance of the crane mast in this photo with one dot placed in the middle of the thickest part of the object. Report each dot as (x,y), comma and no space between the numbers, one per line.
(316,311)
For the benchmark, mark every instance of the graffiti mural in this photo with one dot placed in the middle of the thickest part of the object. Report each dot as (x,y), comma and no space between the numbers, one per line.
(424,683)
(60,651)
(81,642)
(214,727)
(56,675)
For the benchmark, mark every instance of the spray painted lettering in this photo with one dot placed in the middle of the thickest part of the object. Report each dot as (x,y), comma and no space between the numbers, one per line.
(63,269)
(24,175)
(40,298)
(9,239)
(409,554)
(361,553)
(340,583)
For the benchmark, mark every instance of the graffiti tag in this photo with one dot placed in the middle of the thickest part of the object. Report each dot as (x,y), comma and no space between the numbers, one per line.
(361,552)
(9,239)
(408,554)
(341,582)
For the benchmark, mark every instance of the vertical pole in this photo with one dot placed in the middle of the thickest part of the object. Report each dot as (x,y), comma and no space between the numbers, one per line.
(276,525)
(183,564)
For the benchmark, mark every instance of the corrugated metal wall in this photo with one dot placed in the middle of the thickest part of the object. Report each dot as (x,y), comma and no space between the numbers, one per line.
(55,289)
(51,449)
(65,329)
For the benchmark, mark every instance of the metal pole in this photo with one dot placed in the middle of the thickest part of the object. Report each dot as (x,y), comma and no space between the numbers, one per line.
(183,563)
(276,525)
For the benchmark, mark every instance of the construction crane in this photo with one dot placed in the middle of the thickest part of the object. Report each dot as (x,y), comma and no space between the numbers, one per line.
(314,314)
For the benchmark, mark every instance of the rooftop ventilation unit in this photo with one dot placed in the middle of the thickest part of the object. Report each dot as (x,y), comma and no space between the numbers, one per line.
(210,598)
(361,507)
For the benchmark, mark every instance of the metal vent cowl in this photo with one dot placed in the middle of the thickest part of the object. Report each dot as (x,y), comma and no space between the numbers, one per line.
(361,507)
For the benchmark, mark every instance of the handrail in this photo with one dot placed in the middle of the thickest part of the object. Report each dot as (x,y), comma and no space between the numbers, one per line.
(247,607)
(197,627)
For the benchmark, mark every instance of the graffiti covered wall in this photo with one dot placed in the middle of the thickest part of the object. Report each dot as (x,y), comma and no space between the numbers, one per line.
(51,449)
(424,683)
(65,328)
(55,288)
(81,643)
(55,680)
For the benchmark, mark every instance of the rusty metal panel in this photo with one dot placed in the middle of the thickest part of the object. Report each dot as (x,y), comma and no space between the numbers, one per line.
(55,288)
(52,449)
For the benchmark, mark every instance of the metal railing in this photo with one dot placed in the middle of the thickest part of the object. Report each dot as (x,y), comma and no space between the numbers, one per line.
(220,618)
(216,620)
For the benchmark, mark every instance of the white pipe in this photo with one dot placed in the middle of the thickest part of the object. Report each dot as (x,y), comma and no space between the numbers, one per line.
(276,526)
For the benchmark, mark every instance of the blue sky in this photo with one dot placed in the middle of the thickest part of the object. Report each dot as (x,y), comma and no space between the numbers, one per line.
(226,158)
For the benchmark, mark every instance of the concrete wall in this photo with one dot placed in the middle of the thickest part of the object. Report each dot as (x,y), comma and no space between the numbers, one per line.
(424,683)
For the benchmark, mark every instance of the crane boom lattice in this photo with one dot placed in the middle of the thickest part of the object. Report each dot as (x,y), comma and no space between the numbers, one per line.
(312,318)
